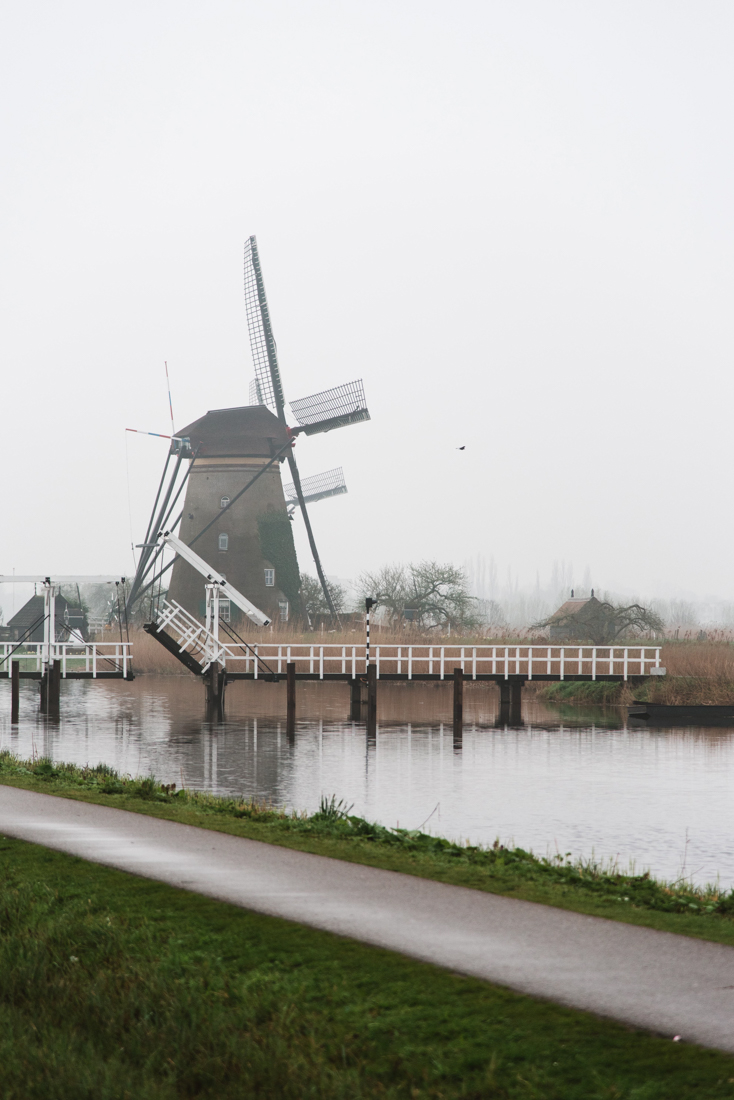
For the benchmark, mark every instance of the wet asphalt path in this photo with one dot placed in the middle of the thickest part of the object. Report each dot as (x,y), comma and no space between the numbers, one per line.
(666,983)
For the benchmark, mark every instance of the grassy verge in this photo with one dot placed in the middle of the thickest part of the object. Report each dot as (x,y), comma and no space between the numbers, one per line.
(598,692)
(113,987)
(582,886)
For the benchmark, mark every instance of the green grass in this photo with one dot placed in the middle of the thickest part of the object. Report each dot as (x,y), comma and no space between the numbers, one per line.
(582,886)
(116,988)
(584,691)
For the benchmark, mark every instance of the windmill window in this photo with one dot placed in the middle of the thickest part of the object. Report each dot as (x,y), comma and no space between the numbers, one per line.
(270,578)
(283,605)
(224,542)
(224,610)
(224,502)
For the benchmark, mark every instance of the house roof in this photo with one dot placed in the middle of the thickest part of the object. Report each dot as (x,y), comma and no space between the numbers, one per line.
(573,606)
(252,430)
(31,615)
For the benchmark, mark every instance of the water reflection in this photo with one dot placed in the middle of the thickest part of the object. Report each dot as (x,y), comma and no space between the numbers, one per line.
(579,781)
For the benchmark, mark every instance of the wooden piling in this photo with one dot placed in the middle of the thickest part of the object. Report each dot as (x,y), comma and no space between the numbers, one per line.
(215,681)
(290,670)
(458,701)
(355,690)
(54,688)
(510,702)
(14,690)
(371,697)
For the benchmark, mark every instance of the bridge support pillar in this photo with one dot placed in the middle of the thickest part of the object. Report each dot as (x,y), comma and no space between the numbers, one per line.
(290,688)
(371,698)
(510,702)
(51,689)
(356,698)
(458,701)
(215,682)
(14,691)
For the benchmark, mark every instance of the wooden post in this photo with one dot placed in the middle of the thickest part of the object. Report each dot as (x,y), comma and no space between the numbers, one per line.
(215,681)
(355,689)
(290,670)
(510,702)
(54,688)
(14,690)
(516,703)
(458,700)
(371,697)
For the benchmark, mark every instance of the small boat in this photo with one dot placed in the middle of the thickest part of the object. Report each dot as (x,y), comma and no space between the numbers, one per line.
(661,714)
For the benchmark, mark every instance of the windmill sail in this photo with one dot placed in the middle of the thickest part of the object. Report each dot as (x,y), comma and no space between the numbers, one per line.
(333,408)
(268,386)
(330,483)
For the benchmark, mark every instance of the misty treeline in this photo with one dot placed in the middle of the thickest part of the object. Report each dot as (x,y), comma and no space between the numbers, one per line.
(432,595)
(505,603)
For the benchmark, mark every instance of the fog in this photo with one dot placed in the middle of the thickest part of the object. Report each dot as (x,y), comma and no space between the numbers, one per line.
(512,220)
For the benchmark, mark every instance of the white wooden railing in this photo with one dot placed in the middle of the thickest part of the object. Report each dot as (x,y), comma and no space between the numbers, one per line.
(260,659)
(89,657)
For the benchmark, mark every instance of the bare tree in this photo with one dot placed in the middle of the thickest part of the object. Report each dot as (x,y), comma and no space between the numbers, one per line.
(603,623)
(314,601)
(427,593)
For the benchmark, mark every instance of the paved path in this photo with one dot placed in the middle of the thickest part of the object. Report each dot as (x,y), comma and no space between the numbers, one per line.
(670,984)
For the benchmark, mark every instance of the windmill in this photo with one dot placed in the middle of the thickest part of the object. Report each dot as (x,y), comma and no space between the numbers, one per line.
(321,412)
(236,509)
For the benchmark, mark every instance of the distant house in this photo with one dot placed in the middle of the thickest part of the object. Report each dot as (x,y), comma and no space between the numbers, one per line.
(576,619)
(28,622)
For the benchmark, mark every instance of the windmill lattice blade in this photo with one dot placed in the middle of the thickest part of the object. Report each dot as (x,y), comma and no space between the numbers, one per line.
(330,483)
(268,388)
(333,408)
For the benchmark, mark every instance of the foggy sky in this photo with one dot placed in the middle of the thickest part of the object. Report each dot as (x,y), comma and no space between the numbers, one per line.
(512,220)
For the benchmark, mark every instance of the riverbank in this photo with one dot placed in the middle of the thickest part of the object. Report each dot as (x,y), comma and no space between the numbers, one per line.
(580,886)
(113,986)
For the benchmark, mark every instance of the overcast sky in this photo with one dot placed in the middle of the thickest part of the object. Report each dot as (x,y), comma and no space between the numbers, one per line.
(512,219)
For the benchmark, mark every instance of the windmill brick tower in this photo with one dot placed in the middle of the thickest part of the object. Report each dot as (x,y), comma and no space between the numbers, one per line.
(253,543)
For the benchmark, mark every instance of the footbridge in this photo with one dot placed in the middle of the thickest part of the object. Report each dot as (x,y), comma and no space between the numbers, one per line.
(205,652)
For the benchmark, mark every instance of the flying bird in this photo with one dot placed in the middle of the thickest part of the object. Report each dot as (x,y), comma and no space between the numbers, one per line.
(461,448)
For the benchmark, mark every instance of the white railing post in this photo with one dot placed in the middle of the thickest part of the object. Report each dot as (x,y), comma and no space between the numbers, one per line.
(310,667)
(321,662)
(625,653)
(593,663)
(442,660)
(530,662)
(400,661)
(562,653)
(257,661)
(377,661)
(474,663)
(410,662)
(354,662)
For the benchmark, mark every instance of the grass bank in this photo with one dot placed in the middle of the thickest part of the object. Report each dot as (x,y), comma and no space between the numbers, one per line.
(700,673)
(113,987)
(582,886)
